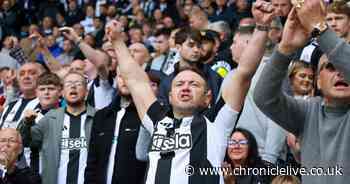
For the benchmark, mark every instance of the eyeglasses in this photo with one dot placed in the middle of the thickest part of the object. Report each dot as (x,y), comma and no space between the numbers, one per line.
(69,84)
(328,66)
(232,143)
(8,141)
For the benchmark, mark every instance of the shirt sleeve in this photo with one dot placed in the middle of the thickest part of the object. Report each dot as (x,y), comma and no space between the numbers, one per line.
(142,144)
(155,113)
(225,120)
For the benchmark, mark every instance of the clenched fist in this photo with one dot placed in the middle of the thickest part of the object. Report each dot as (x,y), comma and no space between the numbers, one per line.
(114,31)
(29,116)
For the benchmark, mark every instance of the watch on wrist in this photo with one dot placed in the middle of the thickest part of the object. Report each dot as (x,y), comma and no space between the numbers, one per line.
(319,28)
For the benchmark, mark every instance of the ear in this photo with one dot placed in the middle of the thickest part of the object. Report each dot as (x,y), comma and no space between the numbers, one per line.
(178,46)
(318,83)
(169,97)
(208,98)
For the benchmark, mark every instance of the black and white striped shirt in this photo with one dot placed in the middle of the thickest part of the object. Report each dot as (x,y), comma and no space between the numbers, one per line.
(13,113)
(193,141)
(73,150)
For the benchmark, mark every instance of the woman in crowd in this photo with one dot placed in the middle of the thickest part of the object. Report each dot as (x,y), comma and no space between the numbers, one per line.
(302,80)
(242,153)
(301,76)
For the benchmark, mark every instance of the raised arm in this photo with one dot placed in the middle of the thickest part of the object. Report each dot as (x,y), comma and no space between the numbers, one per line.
(236,87)
(313,14)
(268,95)
(98,58)
(51,62)
(135,77)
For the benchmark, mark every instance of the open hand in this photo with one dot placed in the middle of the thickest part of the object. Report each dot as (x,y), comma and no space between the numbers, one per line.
(70,34)
(4,159)
(294,35)
(311,12)
(10,78)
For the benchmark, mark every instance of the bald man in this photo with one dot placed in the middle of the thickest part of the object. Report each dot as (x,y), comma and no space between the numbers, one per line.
(10,149)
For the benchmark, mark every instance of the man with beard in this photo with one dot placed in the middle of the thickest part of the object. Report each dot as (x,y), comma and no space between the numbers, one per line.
(184,138)
(189,44)
(209,53)
(112,155)
(63,134)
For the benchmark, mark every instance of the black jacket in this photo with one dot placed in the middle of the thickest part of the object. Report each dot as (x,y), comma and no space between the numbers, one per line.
(128,169)
(21,176)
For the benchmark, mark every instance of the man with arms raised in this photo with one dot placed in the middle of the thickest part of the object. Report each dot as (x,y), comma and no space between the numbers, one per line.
(322,123)
(189,96)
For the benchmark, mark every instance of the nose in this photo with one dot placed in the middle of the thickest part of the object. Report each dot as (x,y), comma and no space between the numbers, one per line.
(197,48)
(185,87)
(4,146)
(308,79)
(332,23)
(26,75)
(339,74)
(46,91)
(278,10)
(236,146)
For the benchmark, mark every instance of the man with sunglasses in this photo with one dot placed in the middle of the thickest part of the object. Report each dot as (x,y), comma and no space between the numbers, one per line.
(322,123)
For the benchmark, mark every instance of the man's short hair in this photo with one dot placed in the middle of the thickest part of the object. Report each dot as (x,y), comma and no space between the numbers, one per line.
(209,35)
(187,33)
(339,7)
(196,11)
(4,68)
(164,31)
(49,79)
(153,78)
(296,66)
(220,27)
(197,71)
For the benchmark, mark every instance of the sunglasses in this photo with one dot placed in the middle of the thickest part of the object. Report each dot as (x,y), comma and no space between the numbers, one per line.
(328,66)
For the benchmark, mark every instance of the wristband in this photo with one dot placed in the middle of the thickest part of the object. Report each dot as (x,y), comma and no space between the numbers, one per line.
(262,27)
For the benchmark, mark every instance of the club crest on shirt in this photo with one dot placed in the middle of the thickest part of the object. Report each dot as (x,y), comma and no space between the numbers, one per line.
(163,143)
